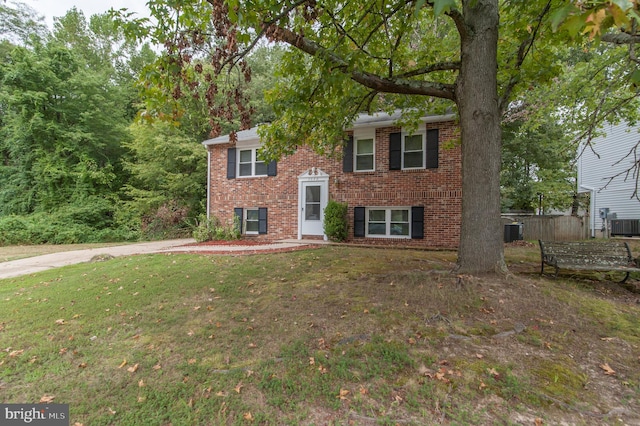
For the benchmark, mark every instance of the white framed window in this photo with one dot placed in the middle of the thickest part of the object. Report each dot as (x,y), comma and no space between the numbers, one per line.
(251,221)
(249,164)
(364,148)
(413,151)
(388,222)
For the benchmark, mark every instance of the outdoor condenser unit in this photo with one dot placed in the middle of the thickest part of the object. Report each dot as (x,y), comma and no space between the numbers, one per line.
(625,227)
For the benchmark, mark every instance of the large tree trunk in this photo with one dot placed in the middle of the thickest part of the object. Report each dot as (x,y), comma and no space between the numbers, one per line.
(481,243)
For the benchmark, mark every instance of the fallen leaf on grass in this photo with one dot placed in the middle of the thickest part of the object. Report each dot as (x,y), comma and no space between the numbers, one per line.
(133,368)
(47,399)
(60,321)
(14,354)
(82,365)
(312,361)
(141,383)
(123,363)
(494,373)
(343,394)
(156,367)
(238,387)
(248,416)
(191,361)
(607,369)
(606,339)
(538,421)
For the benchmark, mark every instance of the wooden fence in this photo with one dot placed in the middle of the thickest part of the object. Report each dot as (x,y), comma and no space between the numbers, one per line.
(552,228)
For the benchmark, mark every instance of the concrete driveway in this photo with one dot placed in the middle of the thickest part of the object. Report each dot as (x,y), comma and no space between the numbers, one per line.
(30,265)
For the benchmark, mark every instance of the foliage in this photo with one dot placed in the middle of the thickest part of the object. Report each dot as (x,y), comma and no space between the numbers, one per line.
(335,221)
(167,167)
(93,220)
(63,125)
(212,229)
(537,161)
(19,22)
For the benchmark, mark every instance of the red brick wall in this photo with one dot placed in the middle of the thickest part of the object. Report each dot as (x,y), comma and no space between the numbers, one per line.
(438,190)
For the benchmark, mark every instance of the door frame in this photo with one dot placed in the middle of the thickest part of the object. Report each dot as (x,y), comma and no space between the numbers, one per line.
(313,175)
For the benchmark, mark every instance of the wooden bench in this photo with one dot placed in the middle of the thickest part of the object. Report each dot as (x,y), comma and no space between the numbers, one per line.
(588,256)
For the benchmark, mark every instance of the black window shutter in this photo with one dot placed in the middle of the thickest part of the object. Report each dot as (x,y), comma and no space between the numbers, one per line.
(272,168)
(238,213)
(262,220)
(347,155)
(417,222)
(231,163)
(359,222)
(395,151)
(432,148)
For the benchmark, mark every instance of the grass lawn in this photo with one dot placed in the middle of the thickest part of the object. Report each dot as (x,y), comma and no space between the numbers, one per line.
(325,336)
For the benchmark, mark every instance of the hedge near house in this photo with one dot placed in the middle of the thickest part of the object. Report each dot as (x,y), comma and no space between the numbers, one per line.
(335,221)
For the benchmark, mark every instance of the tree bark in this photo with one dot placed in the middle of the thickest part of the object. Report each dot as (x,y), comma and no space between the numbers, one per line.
(481,238)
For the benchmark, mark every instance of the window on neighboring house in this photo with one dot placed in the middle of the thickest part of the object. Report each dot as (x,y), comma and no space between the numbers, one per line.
(249,164)
(413,151)
(388,222)
(251,221)
(364,155)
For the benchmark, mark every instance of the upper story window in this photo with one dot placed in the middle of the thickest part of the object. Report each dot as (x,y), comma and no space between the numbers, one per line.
(413,151)
(364,151)
(249,164)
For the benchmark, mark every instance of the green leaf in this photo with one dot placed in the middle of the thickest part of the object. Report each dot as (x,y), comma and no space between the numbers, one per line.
(625,5)
(443,6)
(561,15)
(635,77)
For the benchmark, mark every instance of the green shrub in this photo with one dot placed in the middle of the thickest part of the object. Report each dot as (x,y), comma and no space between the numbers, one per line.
(94,221)
(335,221)
(212,229)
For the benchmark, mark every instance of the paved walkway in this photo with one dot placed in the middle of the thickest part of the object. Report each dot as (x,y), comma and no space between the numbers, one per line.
(30,265)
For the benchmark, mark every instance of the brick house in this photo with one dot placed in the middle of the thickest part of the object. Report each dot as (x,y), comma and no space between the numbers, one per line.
(401,188)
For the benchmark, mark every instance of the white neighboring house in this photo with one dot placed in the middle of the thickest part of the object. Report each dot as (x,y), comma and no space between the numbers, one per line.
(595,169)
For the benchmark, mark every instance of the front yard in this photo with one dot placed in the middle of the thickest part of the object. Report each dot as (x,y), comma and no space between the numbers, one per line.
(331,335)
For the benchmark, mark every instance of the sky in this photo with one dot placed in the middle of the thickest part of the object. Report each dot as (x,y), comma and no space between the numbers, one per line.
(55,8)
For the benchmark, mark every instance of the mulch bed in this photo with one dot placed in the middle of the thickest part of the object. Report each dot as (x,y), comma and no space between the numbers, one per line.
(240,242)
(243,242)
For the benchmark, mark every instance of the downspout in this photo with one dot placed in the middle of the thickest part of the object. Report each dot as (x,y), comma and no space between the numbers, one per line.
(208,182)
(592,207)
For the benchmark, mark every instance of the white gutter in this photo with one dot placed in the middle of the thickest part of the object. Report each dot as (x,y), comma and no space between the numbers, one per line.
(592,207)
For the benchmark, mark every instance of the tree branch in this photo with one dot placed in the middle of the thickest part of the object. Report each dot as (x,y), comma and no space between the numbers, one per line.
(442,66)
(372,81)
(523,51)
(621,38)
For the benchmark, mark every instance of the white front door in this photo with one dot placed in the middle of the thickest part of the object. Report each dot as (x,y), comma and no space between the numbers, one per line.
(313,196)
